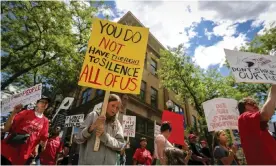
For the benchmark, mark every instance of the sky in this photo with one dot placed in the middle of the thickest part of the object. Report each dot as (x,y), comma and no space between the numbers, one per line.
(205,28)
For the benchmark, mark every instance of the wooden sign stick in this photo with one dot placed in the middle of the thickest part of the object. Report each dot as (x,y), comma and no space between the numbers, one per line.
(127,147)
(103,112)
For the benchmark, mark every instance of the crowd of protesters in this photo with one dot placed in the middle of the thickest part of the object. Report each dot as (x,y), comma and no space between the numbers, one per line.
(30,140)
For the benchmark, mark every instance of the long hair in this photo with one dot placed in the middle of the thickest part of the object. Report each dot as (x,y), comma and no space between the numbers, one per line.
(113,97)
(216,138)
(175,156)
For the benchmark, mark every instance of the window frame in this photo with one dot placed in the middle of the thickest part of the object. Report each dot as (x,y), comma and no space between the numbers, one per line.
(156,98)
(143,90)
(153,67)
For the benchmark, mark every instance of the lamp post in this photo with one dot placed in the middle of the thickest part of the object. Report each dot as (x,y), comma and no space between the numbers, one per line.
(170,105)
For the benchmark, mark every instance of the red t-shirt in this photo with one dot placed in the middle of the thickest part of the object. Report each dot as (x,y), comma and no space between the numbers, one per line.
(142,156)
(258,145)
(48,156)
(25,122)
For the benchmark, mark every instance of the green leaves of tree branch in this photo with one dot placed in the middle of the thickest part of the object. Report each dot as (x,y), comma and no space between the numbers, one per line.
(44,42)
(180,74)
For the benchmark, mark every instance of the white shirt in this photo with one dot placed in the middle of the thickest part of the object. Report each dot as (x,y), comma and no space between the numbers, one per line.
(39,115)
(167,144)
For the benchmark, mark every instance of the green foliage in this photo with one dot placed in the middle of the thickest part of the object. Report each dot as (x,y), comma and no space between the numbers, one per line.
(44,42)
(33,35)
(179,74)
(263,44)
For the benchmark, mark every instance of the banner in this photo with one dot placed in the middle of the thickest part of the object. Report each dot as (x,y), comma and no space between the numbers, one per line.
(115,56)
(74,120)
(176,120)
(221,114)
(26,97)
(156,129)
(251,67)
(129,125)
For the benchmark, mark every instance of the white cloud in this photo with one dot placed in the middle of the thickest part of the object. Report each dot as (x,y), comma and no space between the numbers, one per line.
(236,11)
(225,28)
(192,33)
(206,56)
(106,11)
(166,19)
(266,19)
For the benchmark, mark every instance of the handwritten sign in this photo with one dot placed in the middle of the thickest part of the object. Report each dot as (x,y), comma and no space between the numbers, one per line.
(28,96)
(74,120)
(221,114)
(251,67)
(129,125)
(114,60)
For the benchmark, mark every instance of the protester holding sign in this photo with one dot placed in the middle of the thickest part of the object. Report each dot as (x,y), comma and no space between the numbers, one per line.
(111,135)
(222,154)
(161,142)
(257,143)
(53,148)
(26,129)
(142,156)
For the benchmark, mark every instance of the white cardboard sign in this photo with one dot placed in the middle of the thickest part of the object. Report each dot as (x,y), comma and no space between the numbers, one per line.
(129,125)
(252,67)
(74,120)
(221,114)
(26,97)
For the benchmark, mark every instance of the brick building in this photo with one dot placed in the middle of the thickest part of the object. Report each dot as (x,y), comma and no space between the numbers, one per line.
(148,106)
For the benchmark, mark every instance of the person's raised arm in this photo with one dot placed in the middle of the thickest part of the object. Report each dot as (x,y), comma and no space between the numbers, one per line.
(8,124)
(269,106)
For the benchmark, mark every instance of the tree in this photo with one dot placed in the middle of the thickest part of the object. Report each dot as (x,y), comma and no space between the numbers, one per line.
(53,35)
(181,75)
(70,66)
(33,34)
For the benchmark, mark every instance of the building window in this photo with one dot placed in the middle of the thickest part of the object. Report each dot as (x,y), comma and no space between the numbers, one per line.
(154,95)
(153,67)
(143,88)
(99,92)
(140,125)
(86,95)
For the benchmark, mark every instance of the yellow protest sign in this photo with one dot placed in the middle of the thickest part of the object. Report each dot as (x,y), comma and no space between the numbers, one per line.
(114,59)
